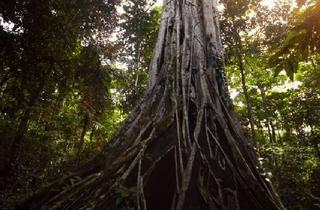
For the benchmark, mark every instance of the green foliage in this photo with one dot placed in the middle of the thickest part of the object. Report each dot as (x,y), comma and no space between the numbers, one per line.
(301,42)
(140,25)
(62,94)
(285,113)
(291,155)
(65,86)
(52,83)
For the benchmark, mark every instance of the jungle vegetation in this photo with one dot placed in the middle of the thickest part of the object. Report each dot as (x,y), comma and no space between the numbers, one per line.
(91,90)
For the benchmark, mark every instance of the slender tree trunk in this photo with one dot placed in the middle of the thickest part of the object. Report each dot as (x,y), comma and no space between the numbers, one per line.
(269,131)
(86,121)
(315,141)
(244,86)
(181,148)
(273,131)
(317,148)
(92,135)
(278,129)
(270,126)
(22,129)
(9,170)
(3,81)
(137,66)
(12,164)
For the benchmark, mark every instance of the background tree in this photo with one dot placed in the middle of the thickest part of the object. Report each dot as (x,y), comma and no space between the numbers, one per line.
(42,64)
(273,101)
(140,26)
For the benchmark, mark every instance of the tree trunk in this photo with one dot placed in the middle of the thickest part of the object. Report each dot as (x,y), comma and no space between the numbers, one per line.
(244,86)
(270,126)
(13,161)
(86,120)
(315,141)
(273,131)
(181,148)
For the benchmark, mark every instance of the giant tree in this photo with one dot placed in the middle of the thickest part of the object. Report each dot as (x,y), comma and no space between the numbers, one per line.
(182,147)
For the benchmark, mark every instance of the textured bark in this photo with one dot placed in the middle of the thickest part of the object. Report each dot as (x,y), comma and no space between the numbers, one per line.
(181,148)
